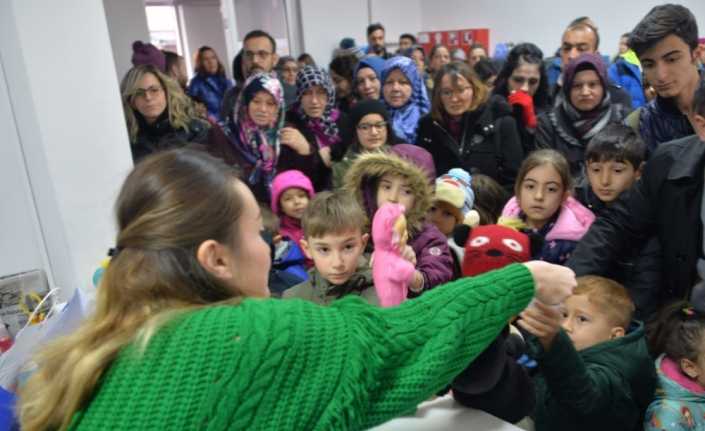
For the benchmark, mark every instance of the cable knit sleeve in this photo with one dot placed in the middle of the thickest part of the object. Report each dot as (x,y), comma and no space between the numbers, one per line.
(399,357)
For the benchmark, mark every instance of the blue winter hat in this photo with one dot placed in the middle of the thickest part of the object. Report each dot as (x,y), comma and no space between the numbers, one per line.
(460,180)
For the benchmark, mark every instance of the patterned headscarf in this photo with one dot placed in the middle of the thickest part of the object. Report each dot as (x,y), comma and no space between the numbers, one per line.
(258,145)
(406,118)
(325,128)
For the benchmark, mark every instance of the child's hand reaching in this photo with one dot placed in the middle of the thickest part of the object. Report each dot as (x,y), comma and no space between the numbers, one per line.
(543,321)
(553,283)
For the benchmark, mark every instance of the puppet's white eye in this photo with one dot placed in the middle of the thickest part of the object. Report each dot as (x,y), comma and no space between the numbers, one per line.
(513,244)
(479,241)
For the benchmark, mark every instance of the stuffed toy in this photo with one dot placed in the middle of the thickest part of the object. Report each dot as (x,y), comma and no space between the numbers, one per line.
(391,273)
(492,247)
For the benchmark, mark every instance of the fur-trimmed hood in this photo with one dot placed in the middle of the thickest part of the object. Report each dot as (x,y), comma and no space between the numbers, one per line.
(364,174)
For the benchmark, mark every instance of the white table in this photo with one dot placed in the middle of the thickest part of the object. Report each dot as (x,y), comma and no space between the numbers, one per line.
(445,414)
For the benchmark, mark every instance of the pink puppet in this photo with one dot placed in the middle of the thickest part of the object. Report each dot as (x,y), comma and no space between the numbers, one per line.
(391,273)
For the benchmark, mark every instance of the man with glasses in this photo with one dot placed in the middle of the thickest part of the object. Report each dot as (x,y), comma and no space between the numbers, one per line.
(259,54)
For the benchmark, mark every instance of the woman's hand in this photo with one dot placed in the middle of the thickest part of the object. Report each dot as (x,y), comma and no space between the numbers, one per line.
(544,321)
(325,156)
(293,139)
(553,283)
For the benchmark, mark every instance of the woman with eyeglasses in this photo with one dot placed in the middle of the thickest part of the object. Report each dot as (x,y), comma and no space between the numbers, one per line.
(210,83)
(158,113)
(315,128)
(371,131)
(524,83)
(469,129)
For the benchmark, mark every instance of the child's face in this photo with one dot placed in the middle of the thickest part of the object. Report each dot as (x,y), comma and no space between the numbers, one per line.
(293,202)
(395,189)
(608,179)
(336,255)
(541,195)
(442,214)
(585,324)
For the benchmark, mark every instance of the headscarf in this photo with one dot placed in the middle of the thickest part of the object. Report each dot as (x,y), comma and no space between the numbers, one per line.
(259,146)
(325,128)
(373,62)
(587,124)
(406,118)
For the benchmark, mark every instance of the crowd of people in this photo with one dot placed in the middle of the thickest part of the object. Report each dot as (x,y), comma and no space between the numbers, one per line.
(268,185)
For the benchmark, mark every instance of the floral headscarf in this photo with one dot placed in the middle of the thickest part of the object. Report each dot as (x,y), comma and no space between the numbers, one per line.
(406,118)
(325,128)
(258,145)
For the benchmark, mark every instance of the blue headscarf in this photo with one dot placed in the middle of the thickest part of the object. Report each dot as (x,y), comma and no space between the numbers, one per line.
(405,119)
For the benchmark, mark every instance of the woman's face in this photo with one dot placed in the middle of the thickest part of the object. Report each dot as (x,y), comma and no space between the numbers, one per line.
(251,255)
(397,89)
(440,58)
(368,84)
(456,99)
(526,77)
(262,109)
(314,100)
(149,98)
(587,92)
(372,132)
(343,87)
(289,71)
(209,61)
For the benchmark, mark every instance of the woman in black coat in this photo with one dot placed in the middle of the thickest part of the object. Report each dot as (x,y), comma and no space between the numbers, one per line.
(468,130)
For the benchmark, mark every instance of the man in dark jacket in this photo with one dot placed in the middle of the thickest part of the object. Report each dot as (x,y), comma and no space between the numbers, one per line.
(665,41)
(666,202)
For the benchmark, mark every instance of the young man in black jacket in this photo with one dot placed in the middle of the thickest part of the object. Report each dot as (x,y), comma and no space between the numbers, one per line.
(666,202)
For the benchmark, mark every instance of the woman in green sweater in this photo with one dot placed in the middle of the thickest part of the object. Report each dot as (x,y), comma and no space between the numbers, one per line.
(184,337)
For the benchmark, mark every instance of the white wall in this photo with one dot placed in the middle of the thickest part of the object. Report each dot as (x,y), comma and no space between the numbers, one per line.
(71,131)
(127,22)
(397,16)
(543,21)
(202,24)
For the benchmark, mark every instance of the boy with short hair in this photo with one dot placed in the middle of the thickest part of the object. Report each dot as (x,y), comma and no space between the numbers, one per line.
(595,371)
(614,161)
(333,237)
(666,42)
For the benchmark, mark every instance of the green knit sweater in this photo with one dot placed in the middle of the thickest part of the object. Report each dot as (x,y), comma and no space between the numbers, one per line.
(294,365)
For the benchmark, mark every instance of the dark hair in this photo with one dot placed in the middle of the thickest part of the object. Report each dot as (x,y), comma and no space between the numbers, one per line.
(259,33)
(477,45)
(616,142)
(625,35)
(172,59)
(436,48)
(485,69)
(238,76)
(678,332)
(282,62)
(490,198)
(583,22)
(699,99)
(344,65)
(526,53)
(306,58)
(409,36)
(199,61)
(662,21)
(480,92)
(374,27)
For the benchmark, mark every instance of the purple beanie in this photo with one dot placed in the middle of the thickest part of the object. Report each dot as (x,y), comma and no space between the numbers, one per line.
(419,157)
(146,53)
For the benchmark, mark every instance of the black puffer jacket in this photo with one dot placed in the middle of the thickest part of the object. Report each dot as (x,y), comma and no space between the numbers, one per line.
(162,136)
(489,142)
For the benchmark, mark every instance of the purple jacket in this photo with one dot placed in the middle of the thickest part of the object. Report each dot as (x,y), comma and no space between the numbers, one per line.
(433,258)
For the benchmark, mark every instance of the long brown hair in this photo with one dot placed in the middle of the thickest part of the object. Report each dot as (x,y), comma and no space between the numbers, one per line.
(198,61)
(545,157)
(178,105)
(480,92)
(169,204)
